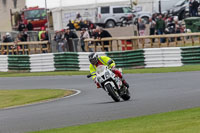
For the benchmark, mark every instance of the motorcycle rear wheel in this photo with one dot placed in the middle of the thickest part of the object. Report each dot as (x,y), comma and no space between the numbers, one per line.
(112,93)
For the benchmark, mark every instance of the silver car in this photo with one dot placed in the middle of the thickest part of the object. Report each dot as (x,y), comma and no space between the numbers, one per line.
(109,16)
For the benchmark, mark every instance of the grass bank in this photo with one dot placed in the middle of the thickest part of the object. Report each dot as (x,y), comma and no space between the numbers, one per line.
(184,121)
(126,71)
(10,98)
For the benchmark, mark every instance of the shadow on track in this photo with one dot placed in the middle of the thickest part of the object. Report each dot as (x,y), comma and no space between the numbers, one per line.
(131,100)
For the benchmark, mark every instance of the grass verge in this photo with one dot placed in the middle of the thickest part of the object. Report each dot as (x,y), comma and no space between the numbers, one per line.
(185,68)
(10,98)
(126,71)
(184,121)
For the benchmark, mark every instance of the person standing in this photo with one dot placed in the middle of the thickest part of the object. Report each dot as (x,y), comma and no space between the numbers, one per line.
(71,39)
(152,25)
(191,8)
(195,6)
(141,27)
(29,26)
(160,27)
(70,25)
(21,26)
(84,35)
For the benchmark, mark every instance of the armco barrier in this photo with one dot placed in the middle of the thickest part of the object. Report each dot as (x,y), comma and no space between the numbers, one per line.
(162,57)
(190,55)
(42,62)
(153,57)
(3,63)
(128,59)
(66,61)
(18,63)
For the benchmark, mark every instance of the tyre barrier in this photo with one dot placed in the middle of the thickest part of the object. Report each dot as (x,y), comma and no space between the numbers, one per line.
(72,61)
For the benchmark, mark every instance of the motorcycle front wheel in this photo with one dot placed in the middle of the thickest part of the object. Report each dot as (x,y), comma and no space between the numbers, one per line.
(112,93)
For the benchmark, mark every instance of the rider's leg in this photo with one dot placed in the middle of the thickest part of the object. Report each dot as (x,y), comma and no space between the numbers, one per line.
(119,74)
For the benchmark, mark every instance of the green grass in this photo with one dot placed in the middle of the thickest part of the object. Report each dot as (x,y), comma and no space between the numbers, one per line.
(185,121)
(165,69)
(10,98)
(126,71)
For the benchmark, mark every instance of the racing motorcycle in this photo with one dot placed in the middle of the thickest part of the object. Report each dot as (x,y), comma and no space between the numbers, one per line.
(111,84)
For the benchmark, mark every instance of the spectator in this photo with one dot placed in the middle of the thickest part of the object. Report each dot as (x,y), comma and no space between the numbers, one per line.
(70,25)
(7,39)
(195,6)
(60,41)
(84,35)
(70,37)
(160,27)
(41,34)
(152,25)
(29,26)
(103,34)
(191,8)
(21,26)
(141,27)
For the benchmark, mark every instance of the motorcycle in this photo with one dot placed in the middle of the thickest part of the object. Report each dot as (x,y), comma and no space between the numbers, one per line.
(126,20)
(111,84)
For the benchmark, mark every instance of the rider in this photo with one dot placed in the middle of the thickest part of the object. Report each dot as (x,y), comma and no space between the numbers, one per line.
(103,60)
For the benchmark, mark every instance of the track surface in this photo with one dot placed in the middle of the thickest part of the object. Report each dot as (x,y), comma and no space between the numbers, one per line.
(152,93)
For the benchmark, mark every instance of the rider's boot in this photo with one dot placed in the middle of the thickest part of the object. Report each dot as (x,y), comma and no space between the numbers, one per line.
(125,83)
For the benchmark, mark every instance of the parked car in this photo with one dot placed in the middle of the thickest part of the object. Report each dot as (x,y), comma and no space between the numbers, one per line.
(109,16)
(180,9)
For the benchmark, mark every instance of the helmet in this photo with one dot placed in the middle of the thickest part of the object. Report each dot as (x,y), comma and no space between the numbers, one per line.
(93,58)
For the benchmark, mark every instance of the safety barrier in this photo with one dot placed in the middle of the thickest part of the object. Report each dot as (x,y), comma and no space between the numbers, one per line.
(42,62)
(128,59)
(141,42)
(3,63)
(25,48)
(18,63)
(163,57)
(66,61)
(71,61)
(190,55)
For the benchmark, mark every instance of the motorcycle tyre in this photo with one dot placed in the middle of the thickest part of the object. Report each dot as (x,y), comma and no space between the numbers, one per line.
(112,93)
(126,96)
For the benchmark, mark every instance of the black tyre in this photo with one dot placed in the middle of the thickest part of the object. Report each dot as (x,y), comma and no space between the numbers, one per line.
(112,93)
(126,96)
(110,24)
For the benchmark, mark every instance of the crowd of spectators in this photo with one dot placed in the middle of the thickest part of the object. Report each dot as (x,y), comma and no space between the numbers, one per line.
(161,24)
(67,38)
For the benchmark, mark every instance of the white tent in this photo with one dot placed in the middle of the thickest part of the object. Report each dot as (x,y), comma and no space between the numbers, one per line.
(65,3)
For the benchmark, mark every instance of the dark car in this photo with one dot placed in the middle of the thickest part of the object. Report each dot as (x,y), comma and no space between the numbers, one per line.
(180,9)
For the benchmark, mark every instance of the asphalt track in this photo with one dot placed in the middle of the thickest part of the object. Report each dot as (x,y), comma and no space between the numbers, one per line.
(151,93)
